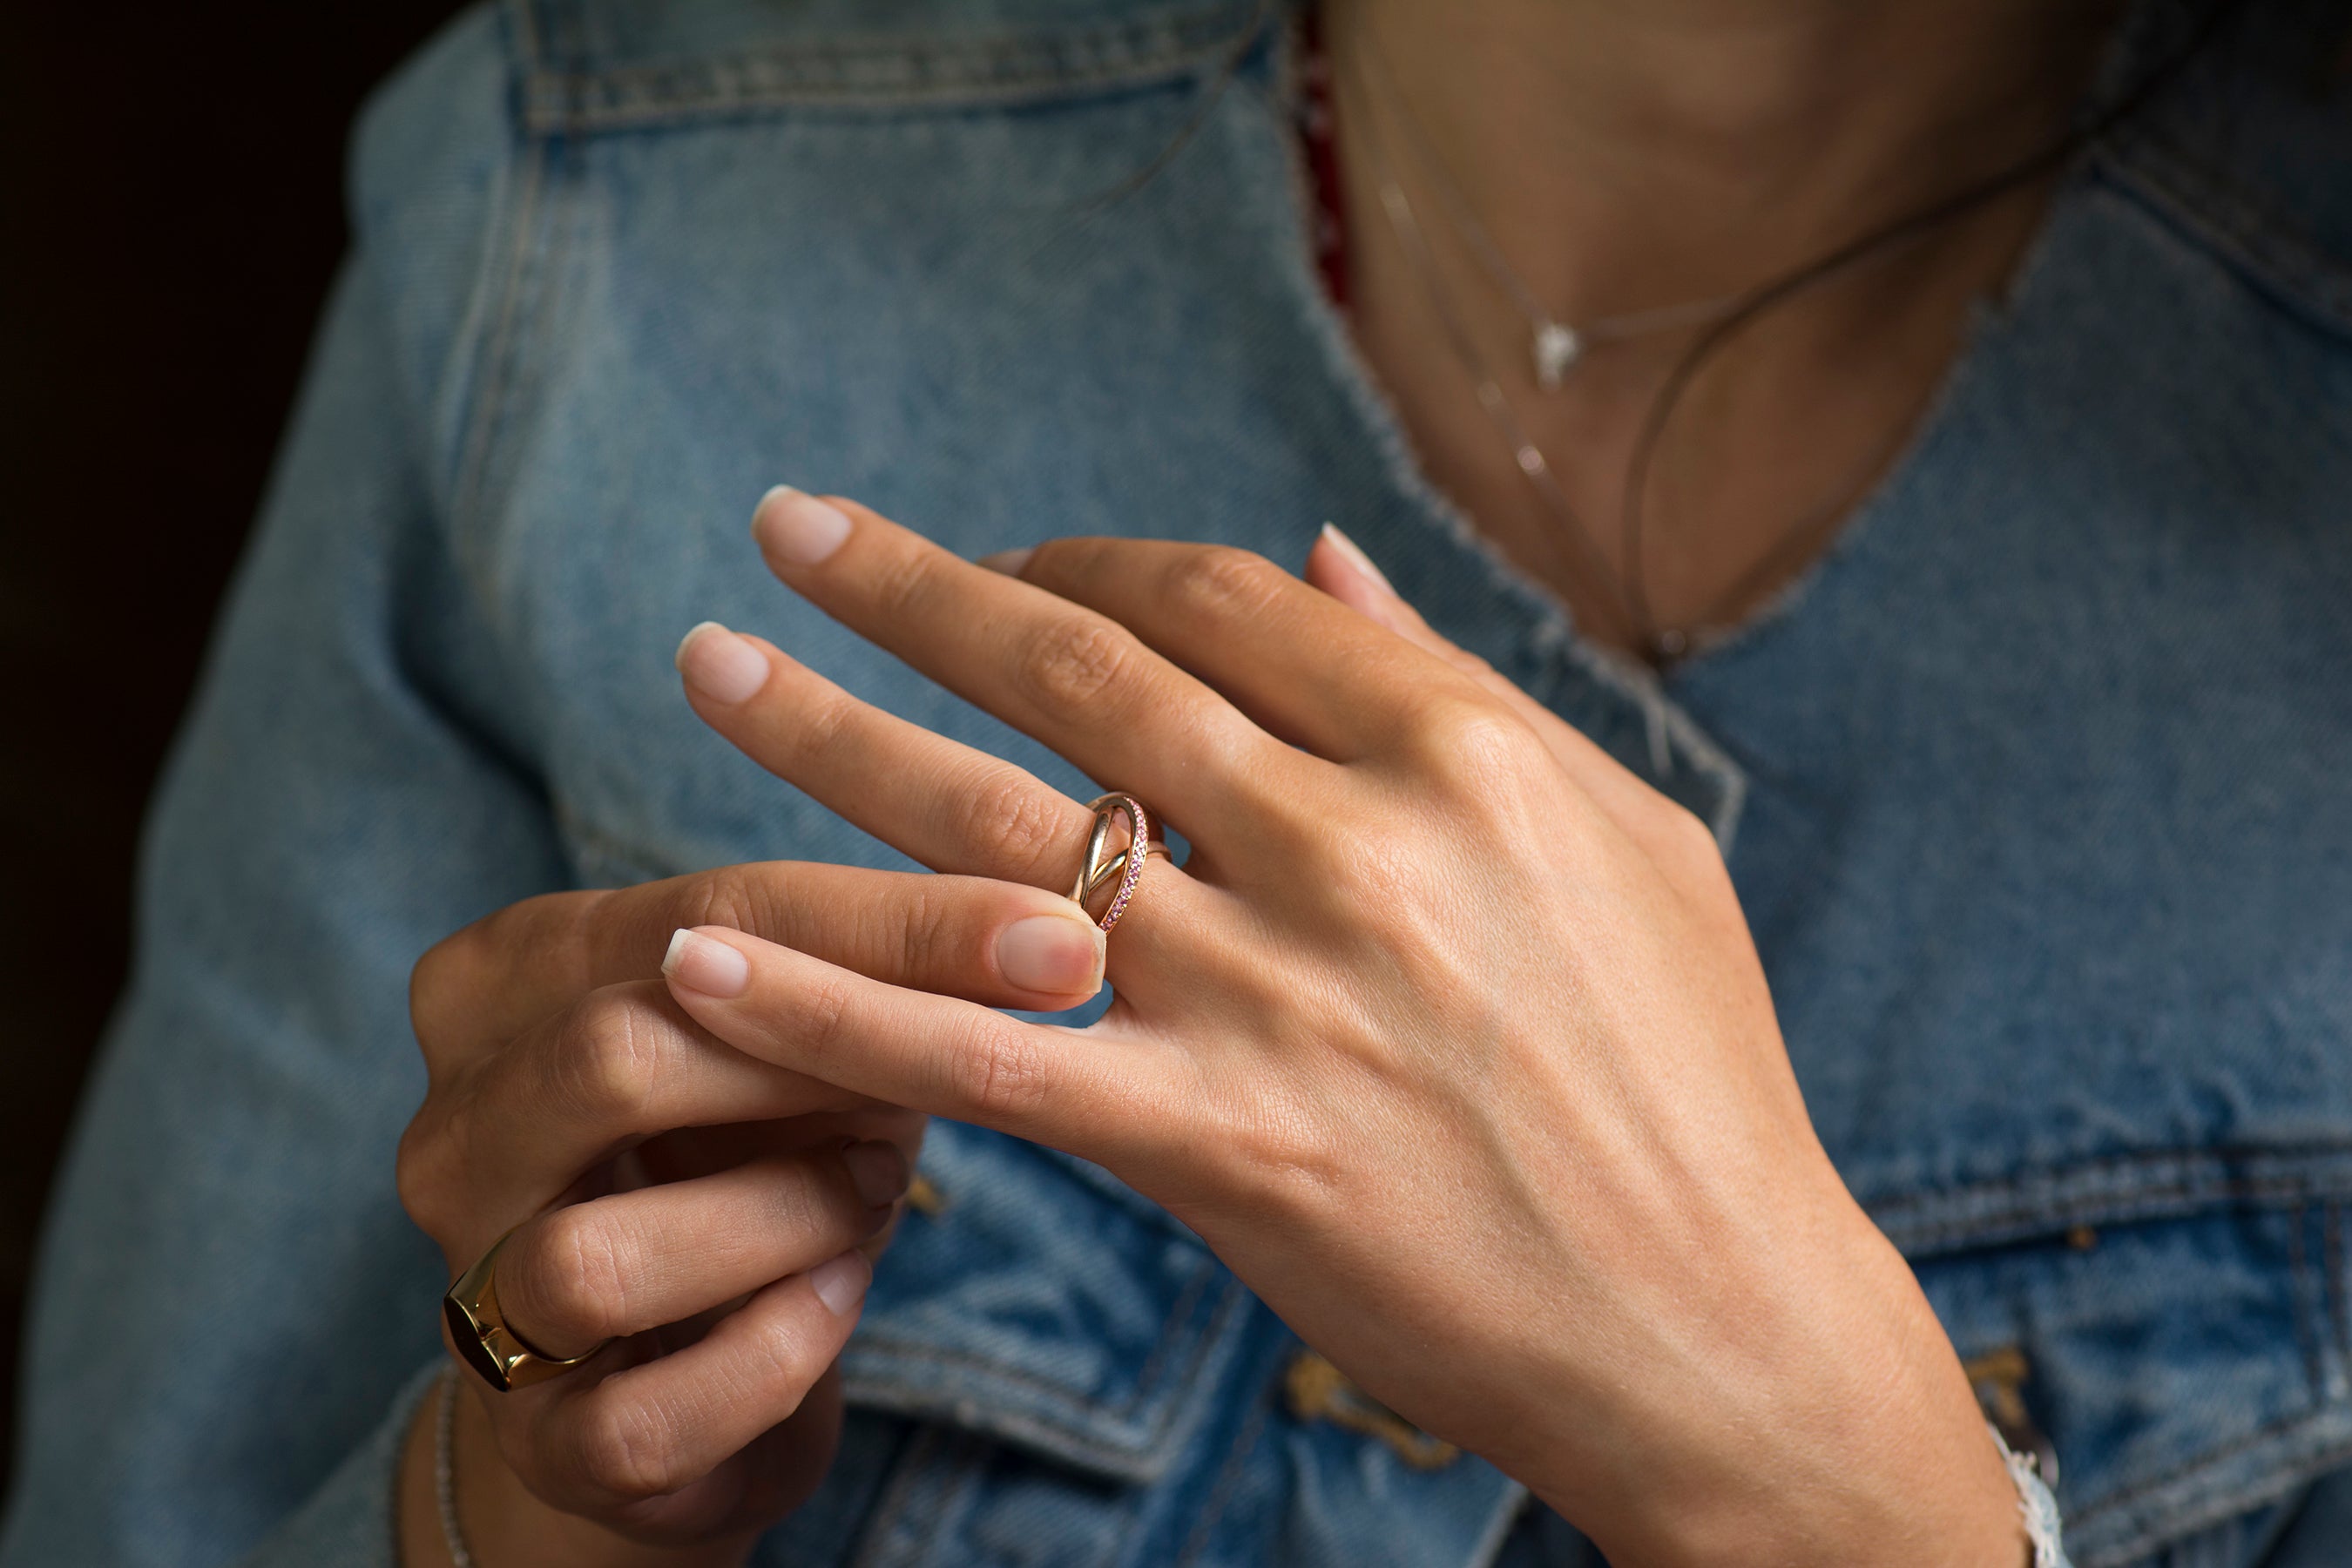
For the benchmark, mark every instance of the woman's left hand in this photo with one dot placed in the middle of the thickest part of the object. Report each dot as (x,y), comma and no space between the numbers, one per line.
(1449,1037)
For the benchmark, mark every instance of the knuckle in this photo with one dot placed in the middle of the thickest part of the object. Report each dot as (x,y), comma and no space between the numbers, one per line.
(622,1448)
(999,1073)
(727,896)
(781,1363)
(576,1275)
(1693,849)
(420,1170)
(1070,666)
(823,1022)
(441,985)
(1223,583)
(900,584)
(806,1203)
(1691,835)
(1026,824)
(1482,749)
(609,1057)
(918,918)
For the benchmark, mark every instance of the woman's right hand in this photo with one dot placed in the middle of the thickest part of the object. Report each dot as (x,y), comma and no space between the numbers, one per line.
(709,1212)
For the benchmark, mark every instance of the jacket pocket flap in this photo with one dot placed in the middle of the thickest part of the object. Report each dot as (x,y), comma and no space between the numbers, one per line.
(1027,1305)
(2185,1369)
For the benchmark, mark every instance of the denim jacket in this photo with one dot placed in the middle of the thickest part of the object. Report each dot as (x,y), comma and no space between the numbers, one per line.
(2035,788)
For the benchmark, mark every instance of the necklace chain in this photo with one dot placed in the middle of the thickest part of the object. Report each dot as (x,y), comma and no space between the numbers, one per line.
(1660,643)
(1526,455)
(1555,345)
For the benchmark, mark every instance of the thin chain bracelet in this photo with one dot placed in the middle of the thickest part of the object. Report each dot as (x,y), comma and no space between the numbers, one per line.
(445,1473)
(2035,1505)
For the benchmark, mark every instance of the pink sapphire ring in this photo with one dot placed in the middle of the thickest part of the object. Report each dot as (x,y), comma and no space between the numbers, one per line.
(1123,867)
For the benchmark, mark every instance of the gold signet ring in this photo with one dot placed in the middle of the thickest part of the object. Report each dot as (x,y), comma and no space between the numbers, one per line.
(503,1357)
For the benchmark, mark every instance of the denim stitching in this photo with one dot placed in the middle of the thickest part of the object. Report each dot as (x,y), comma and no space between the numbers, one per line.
(2333,1283)
(1181,1313)
(2295,1465)
(883,73)
(2222,221)
(896,1495)
(964,1461)
(2121,1187)
(500,348)
(1170,1329)
(964,1465)
(1076,1427)
(1510,1504)
(1228,1477)
(2298,1291)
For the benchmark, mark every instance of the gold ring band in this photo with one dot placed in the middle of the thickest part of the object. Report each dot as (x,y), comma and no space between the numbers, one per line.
(1126,867)
(505,1360)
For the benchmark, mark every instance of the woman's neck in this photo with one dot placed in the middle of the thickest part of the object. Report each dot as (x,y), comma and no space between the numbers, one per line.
(1631,154)
(1627,151)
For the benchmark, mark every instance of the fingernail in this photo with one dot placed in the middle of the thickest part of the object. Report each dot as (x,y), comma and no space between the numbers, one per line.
(798,529)
(1061,954)
(719,665)
(1356,557)
(701,963)
(878,1170)
(841,1283)
(1009,562)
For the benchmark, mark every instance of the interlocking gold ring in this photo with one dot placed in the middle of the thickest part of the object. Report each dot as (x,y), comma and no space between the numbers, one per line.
(503,1357)
(1127,866)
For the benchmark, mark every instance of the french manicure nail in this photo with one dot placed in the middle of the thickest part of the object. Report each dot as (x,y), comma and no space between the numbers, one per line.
(1356,557)
(878,1170)
(705,965)
(841,1283)
(1009,562)
(798,529)
(719,665)
(1059,954)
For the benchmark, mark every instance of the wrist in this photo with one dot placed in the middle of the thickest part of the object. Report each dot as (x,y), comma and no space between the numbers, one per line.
(1853,1439)
(500,1523)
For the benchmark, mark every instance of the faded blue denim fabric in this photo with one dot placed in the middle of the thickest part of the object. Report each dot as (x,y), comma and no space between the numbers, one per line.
(2034,788)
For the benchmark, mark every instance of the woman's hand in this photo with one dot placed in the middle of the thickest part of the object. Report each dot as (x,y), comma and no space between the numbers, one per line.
(1449,1037)
(711,1214)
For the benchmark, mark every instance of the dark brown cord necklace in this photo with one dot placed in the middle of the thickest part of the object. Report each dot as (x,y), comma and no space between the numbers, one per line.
(1718,322)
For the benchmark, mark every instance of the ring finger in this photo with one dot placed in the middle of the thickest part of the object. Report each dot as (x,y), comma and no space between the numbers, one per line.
(637,1439)
(620,1264)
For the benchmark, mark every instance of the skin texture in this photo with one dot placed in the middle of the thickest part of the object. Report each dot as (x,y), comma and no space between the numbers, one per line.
(1535,1110)
(1627,156)
(673,1194)
(1450,1030)
(1449,1033)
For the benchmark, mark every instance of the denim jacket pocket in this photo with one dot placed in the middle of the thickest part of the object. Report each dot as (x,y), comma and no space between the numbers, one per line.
(2175,1330)
(1017,1302)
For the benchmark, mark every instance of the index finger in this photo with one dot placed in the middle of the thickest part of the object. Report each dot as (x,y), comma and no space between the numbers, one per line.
(956,935)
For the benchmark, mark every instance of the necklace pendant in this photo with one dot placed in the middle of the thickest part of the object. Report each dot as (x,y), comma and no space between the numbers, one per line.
(1556,347)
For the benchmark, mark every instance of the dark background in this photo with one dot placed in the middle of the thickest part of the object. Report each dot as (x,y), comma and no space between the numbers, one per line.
(173,181)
